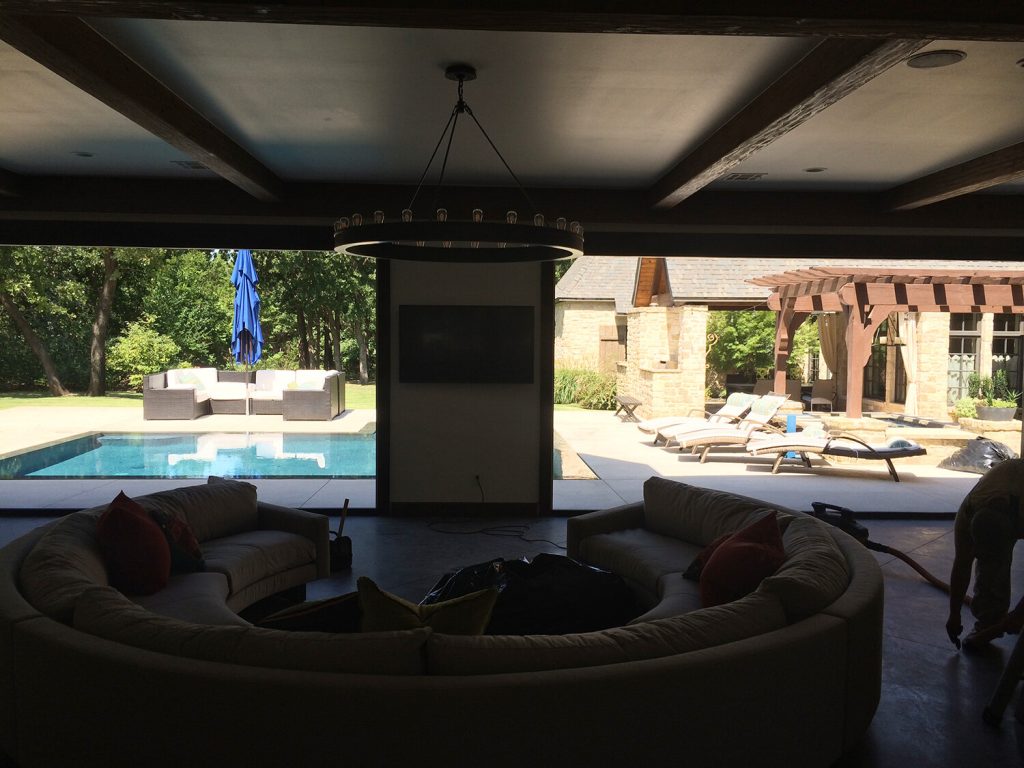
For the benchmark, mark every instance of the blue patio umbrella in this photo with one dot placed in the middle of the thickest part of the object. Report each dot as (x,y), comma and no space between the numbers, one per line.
(246,334)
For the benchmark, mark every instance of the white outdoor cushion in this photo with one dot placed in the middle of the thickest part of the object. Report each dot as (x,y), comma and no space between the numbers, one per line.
(228,390)
(272,394)
(273,381)
(311,379)
(192,378)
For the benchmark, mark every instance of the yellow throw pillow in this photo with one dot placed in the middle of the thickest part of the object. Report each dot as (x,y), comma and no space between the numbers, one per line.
(384,612)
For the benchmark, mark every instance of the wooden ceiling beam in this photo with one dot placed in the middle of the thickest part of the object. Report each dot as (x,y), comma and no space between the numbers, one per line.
(11,184)
(834,69)
(869,18)
(775,212)
(995,168)
(75,51)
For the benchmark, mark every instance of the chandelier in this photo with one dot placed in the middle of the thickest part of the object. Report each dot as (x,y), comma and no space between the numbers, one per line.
(445,239)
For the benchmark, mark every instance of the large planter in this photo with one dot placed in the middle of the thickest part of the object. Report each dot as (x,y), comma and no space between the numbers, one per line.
(994,413)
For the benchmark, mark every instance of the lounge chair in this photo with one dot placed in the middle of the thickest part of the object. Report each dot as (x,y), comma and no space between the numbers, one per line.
(828,445)
(756,421)
(823,392)
(737,404)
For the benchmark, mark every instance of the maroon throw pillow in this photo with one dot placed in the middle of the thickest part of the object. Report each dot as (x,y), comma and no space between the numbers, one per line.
(738,564)
(695,568)
(186,556)
(134,548)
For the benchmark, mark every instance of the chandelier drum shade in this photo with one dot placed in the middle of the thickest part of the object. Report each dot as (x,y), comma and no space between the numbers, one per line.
(471,240)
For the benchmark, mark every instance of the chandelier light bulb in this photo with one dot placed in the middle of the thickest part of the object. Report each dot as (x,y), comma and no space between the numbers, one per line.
(478,215)
(341,224)
(511,217)
(575,228)
(560,222)
(538,219)
(442,215)
(406,215)
(357,219)
(378,217)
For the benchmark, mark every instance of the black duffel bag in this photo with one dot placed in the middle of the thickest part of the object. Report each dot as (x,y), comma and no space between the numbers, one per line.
(550,595)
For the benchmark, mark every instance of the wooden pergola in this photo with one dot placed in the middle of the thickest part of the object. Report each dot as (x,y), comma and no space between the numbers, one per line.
(866,297)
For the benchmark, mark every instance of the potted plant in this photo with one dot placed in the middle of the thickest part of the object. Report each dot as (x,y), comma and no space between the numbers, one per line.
(994,399)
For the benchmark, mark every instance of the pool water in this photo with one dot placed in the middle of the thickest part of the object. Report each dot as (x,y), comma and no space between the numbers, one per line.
(228,454)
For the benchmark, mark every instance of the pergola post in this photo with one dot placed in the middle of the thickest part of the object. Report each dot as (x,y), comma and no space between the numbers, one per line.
(786,322)
(861,324)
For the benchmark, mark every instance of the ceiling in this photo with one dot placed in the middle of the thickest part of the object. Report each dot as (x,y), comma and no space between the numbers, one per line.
(233,124)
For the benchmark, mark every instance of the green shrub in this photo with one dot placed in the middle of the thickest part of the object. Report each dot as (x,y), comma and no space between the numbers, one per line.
(139,351)
(588,389)
(965,408)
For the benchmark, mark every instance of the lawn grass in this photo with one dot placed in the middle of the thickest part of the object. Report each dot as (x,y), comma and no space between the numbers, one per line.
(44,398)
(359,396)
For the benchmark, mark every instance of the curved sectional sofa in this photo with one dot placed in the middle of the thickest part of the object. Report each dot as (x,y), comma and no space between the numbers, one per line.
(788,675)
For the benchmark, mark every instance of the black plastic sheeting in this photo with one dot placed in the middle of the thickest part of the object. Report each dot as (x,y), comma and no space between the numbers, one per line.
(550,595)
(979,456)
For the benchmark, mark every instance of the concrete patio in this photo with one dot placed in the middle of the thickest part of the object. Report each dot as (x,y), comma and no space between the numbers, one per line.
(616,452)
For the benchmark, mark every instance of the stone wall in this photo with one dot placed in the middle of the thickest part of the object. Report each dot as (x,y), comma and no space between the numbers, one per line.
(578,332)
(932,364)
(665,359)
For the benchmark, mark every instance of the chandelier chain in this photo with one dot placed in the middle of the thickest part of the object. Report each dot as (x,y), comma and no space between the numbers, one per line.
(447,151)
(449,131)
(433,154)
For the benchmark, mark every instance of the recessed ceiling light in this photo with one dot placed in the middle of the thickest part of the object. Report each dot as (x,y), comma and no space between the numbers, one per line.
(82,154)
(934,59)
(815,169)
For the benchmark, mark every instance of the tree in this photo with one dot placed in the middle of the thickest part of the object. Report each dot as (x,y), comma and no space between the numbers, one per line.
(746,342)
(326,298)
(191,300)
(30,280)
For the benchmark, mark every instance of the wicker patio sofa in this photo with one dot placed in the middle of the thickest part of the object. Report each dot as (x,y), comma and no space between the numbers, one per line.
(187,393)
(304,395)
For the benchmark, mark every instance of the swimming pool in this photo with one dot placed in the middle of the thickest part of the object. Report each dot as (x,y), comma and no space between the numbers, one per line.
(187,455)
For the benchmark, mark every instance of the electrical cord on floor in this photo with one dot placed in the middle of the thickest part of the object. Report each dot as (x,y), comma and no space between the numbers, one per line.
(511,530)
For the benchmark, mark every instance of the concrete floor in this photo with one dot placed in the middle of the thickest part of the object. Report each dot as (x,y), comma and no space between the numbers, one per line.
(932,697)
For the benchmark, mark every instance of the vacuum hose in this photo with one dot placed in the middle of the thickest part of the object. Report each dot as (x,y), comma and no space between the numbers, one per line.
(842,518)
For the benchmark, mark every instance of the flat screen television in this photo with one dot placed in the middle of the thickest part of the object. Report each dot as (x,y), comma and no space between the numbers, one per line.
(453,344)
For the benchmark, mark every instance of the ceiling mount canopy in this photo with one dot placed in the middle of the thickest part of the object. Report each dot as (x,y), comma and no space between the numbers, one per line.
(473,239)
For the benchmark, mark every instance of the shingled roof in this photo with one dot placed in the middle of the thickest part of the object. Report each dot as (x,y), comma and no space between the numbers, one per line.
(717,281)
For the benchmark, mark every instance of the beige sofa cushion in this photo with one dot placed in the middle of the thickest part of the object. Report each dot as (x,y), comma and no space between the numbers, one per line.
(699,515)
(196,597)
(212,510)
(246,558)
(638,555)
(677,596)
(63,564)
(105,612)
(754,614)
(815,573)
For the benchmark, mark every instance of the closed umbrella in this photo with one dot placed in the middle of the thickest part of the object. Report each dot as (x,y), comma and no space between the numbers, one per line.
(246,334)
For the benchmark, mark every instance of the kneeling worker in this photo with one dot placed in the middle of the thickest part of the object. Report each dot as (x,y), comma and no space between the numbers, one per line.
(988,524)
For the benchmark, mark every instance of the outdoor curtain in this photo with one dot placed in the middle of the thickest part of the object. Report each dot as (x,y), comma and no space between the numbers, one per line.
(832,335)
(907,331)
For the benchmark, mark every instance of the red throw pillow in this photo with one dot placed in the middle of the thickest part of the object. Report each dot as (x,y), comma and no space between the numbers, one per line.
(738,564)
(134,548)
(694,570)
